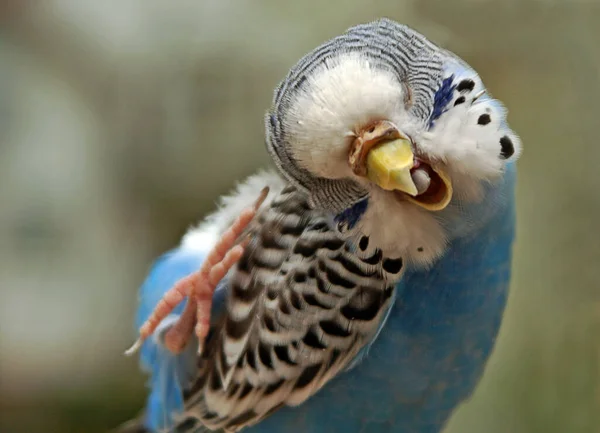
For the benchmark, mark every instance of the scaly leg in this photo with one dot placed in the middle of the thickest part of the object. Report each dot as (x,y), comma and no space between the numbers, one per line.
(199,287)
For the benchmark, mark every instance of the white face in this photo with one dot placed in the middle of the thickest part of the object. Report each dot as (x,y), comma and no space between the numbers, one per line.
(338,100)
(470,142)
(347,93)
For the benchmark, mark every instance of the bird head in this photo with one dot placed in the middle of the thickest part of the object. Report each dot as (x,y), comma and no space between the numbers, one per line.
(389,134)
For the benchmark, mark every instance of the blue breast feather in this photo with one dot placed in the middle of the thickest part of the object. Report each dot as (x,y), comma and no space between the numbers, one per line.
(427,359)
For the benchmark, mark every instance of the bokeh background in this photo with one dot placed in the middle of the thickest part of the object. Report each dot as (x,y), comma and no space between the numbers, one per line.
(122,121)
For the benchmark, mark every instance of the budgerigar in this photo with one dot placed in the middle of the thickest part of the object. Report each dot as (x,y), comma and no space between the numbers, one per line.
(371,283)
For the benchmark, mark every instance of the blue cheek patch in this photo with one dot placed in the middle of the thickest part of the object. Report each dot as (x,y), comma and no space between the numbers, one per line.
(353,214)
(441,99)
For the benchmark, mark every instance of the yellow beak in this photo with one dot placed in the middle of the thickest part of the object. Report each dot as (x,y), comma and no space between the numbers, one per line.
(389,164)
(384,155)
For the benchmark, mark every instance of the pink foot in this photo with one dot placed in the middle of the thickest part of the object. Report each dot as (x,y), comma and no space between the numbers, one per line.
(199,287)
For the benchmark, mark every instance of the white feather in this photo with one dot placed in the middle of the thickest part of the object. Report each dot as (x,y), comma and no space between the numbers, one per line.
(461,142)
(340,97)
(205,235)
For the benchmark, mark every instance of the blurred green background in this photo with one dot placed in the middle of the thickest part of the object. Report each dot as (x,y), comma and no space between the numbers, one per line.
(121,122)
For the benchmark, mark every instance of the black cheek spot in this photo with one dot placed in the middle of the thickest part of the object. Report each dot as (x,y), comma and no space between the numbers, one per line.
(508,149)
(459,101)
(364,243)
(466,85)
(392,266)
(484,119)
(420,249)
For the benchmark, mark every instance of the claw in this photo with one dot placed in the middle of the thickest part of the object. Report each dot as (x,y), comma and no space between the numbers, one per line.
(199,287)
(134,347)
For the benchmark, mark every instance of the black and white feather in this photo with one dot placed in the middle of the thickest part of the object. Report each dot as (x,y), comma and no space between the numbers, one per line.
(302,303)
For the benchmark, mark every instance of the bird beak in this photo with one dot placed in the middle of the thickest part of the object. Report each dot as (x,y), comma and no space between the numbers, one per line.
(389,165)
(385,156)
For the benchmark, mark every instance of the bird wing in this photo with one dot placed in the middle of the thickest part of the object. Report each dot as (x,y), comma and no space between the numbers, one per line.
(169,373)
(301,304)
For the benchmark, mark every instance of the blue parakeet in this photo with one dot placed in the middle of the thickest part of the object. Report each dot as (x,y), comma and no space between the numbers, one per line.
(375,276)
